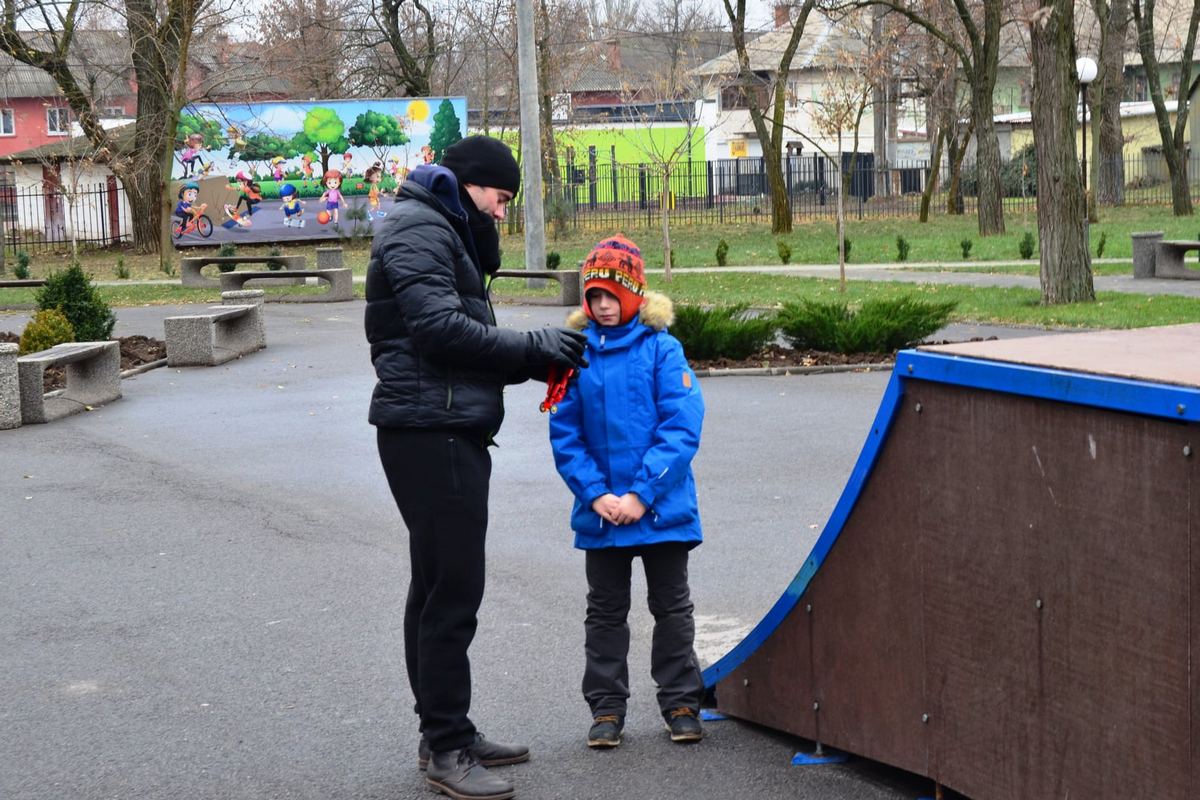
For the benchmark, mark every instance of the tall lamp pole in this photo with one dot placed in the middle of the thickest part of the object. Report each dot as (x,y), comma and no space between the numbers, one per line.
(1085,68)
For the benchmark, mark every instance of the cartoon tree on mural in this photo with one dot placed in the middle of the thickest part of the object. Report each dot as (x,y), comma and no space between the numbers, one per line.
(323,133)
(378,132)
(263,147)
(210,129)
(446,130)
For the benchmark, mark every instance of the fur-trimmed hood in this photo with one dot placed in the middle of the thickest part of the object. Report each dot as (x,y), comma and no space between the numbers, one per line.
(658,313)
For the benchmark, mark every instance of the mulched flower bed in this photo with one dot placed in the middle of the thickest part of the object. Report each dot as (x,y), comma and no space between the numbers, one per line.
(779,357)
(135,351)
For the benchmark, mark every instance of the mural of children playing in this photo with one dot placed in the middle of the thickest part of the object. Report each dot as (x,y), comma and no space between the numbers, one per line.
(306,166)
(347,159)
(191,156)
(372,177)
(189,213)
(292,205)
(250,194)
(332,196)
(277,173)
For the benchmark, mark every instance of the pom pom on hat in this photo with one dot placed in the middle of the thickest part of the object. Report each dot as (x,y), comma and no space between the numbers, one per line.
(616,266)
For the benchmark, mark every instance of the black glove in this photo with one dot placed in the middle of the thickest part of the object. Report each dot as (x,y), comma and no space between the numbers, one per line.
(560,346)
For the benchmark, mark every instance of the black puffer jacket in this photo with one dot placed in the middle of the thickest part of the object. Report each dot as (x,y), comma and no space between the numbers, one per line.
(439,357)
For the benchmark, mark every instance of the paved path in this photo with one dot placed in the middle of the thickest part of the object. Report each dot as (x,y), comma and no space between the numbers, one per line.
(201,587)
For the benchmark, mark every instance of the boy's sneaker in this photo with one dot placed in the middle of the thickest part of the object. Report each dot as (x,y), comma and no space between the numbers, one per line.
(684,726)
(605,731)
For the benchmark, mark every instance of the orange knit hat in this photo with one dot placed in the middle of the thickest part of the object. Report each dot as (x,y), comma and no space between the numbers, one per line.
(616,266)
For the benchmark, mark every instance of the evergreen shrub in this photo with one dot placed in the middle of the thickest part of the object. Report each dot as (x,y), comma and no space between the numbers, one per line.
(877,326)
(72,293)
(721,332)
(47,328)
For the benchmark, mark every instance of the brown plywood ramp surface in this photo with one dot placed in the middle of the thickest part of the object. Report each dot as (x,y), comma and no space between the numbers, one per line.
(1158,355)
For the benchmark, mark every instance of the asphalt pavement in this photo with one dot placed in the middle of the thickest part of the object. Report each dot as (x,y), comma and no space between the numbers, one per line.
(202,584)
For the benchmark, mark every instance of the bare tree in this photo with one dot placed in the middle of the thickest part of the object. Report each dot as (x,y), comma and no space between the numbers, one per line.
(763,100)
(1066,274)
(1108,145)
(971,29)
(1174,145)
(159,34)
(307,43)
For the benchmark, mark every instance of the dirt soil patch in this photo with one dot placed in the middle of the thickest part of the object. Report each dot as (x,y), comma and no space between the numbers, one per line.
(135,351)
(777,356)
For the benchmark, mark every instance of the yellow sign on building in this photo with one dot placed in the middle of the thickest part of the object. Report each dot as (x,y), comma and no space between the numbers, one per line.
(738,148)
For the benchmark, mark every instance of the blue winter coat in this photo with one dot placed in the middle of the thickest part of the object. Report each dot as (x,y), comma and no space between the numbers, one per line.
(631,423)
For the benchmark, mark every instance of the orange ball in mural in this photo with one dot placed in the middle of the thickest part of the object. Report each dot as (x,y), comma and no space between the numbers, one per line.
(323,217)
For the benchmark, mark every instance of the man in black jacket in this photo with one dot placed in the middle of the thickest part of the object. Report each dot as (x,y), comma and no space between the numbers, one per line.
(442,364)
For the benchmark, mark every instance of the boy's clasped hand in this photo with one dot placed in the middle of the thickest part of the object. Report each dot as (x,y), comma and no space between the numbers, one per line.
(623,510)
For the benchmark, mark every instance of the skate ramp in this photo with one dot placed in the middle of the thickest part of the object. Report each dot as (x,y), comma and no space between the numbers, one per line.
(1002,599)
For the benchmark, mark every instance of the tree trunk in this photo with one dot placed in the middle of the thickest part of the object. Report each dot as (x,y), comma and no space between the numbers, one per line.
(1066,274)
(935,165)
(987,161)
(954,199)
(665,213)
(781,204)
(1181,196)
(1108,143)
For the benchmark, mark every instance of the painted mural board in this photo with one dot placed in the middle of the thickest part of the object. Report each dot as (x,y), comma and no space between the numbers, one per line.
(288,171)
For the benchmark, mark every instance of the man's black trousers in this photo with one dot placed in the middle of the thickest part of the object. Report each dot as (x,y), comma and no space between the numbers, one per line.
(673,663)
(440,482)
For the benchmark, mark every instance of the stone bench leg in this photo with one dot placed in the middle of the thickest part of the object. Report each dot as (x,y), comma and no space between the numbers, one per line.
(569,289)
(10,391)
(329,258)
(89,383)
(249,297)
(199,341)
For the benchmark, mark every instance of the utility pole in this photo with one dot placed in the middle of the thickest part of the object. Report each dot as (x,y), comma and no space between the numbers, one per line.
(531,144)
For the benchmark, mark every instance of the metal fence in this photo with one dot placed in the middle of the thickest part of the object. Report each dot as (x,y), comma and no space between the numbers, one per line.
(600,195)
(38,218)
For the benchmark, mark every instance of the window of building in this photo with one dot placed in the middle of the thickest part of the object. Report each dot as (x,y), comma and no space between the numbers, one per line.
(735,97)
(58,121)
(7,122)
(793,94)
(112,111)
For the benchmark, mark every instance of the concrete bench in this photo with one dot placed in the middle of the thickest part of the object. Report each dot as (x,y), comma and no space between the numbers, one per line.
(340,281)
(190,266)
(222,334)
(1168,260)
(10,387)
(93,377)
(568,282)
(16,283)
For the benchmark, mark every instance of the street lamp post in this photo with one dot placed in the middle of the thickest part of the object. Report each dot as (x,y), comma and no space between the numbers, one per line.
(1085,68)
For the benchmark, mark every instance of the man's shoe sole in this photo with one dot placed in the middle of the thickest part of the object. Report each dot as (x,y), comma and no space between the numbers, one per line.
(423,763)
(446,790)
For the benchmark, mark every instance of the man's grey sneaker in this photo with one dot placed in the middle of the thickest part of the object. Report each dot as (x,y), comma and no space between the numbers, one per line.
(458,774)
(684,726)
(605,731)
(486,752)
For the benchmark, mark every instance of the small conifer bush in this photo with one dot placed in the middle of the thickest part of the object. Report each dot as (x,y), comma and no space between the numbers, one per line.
(877,326)
(721,332)
(21,270)
(1027,245)
(122,270)
(966,245)
(47,328)
(1101,244)
(847,243)
(72,293)
(722,253)
(902,248)
(784,250)
(553,260)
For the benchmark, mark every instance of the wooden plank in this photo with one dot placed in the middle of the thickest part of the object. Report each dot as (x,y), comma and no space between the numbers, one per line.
(1168,354)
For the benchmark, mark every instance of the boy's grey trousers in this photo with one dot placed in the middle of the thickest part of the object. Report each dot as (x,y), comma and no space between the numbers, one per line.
(673,663)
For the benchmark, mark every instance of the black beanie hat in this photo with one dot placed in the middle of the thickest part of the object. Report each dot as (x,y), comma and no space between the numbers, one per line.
(483,161)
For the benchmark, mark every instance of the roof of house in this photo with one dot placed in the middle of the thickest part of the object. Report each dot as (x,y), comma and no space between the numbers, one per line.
(99,61)
(641,57)
(75,147)
(823,38)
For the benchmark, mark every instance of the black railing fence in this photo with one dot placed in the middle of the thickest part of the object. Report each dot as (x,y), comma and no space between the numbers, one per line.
(597,195)
(37,218)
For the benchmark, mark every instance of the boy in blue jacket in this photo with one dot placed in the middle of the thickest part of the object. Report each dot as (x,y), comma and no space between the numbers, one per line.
(624,437)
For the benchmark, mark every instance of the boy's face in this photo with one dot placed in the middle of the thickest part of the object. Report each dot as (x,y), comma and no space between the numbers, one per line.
(605,307)
(333,183)
(190,195)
